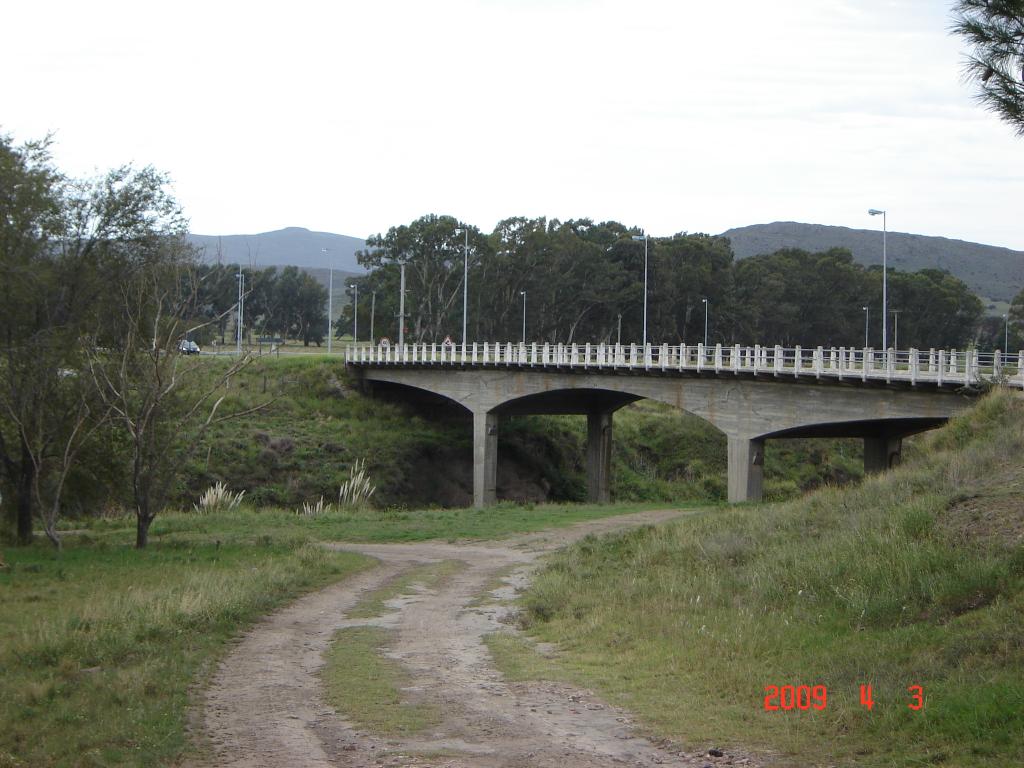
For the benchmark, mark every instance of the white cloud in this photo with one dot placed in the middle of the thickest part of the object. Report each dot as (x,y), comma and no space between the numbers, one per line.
(352,116)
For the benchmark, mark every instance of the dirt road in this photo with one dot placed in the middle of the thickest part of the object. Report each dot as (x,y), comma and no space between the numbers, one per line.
(265,705)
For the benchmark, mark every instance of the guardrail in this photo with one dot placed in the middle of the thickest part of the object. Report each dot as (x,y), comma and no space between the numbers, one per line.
(939,367)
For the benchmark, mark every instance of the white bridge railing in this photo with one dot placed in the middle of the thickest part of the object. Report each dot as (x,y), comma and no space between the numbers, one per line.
(940,367)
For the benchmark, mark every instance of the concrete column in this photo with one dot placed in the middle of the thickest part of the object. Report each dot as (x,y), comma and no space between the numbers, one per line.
(746,469)
(599,457)
(485,458)
(881,453)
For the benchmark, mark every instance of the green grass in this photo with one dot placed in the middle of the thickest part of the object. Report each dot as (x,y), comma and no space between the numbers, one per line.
(428,576)
(101,644)
(368,525)
(911,578)
(519,661)
(365,686)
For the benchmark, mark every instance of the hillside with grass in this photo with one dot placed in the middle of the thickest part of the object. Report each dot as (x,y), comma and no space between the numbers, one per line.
(911,578)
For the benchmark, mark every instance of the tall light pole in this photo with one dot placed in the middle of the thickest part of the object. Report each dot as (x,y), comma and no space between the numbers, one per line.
(644,238)
(867,317)
(885,279)
(895,327)
(465,283)
(401,308)
(330,301)
(1006,334)
(706,305)
(523,294)
(355,314)
(373,310)
(618,339)
(241,307)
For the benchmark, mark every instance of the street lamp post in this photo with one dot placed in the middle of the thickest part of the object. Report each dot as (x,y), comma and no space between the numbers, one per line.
(465,284)
(355,314)
(373,311)
(618,339)
(885,279)
(707,304)
(330,301)
(644,238)
(1006,334)
(867,317)
(523,294)
(895,327)
(241,307)
(401,308)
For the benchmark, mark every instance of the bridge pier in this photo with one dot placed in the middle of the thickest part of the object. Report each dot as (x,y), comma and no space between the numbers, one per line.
(485,458)
(881,453)
(746,469)
(599,456)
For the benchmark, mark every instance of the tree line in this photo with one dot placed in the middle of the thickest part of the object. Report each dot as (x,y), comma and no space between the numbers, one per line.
(290,304)
(580,281)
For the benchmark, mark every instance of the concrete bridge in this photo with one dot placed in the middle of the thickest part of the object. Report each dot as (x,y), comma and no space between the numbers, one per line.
(752,394)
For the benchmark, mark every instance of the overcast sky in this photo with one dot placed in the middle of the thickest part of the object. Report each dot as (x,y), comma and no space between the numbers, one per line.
(350,117)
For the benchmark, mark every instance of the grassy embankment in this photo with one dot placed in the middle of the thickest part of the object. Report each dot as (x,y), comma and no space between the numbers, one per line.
(911,578)
(316,424)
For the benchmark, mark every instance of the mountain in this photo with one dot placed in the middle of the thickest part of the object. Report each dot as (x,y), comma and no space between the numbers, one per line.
(291,246)
(993,272)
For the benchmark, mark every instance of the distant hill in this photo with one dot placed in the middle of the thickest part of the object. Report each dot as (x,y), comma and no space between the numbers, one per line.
(291,246)
(990,271)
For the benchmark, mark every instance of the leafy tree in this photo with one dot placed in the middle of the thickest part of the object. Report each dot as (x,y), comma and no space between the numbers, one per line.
(29,225)
(995,31)
(67,248)
(1016,319)
(935,308)
(779,298)
(688,269)
(434,256)
(217,294)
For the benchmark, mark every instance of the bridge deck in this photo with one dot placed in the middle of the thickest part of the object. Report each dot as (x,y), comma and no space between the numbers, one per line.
(939,368)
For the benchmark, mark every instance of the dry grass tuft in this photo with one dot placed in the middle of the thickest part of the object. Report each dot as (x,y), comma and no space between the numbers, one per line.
(217,498)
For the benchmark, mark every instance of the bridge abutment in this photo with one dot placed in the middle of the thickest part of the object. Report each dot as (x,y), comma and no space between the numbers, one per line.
(746,469)
(485,458)
(599,457)
(881,453)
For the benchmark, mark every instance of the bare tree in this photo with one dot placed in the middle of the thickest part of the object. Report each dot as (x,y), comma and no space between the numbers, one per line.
(163,401)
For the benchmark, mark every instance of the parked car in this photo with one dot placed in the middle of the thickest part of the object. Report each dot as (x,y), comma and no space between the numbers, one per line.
(187,347)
